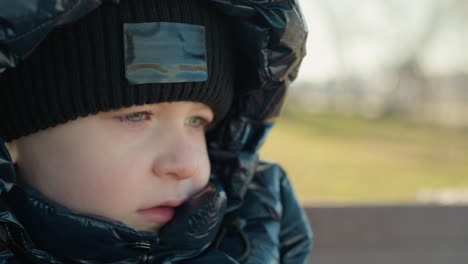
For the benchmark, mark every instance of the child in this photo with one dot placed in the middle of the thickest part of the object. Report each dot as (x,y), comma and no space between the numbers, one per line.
(132,130)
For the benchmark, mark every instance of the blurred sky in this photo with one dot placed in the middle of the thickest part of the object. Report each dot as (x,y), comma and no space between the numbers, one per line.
(363,37)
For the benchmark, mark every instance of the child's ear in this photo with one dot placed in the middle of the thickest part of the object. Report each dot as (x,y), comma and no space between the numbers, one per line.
(13,150)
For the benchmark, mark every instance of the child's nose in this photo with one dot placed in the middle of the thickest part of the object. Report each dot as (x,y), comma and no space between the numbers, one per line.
(178,159)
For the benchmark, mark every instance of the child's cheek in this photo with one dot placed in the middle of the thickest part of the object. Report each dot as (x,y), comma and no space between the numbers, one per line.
(92,184)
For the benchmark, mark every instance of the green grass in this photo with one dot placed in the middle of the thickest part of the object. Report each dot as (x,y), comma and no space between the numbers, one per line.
(336,159)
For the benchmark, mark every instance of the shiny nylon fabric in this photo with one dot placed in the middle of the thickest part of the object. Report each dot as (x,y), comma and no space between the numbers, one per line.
(24,23)
(271,39)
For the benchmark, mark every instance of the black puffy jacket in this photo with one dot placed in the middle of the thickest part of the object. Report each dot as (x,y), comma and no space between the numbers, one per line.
(247,214)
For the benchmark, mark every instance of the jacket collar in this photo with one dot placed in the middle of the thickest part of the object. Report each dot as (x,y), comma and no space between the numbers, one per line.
(233,151)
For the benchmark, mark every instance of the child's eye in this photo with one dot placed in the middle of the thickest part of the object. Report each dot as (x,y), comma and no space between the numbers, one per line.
(135,117)
(196,122)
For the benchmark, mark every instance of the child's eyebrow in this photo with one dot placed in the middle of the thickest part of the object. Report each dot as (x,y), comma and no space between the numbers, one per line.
(203,108)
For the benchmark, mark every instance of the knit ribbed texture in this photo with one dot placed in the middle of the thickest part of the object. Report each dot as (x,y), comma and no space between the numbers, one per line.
(79,69)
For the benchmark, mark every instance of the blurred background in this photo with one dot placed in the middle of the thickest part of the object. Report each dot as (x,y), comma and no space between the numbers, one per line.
(379,112)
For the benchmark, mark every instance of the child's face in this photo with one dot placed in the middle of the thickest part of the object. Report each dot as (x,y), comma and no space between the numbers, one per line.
(114,164)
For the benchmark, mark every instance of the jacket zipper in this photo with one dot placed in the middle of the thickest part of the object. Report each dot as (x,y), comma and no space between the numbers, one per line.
(145,259)
(146,245)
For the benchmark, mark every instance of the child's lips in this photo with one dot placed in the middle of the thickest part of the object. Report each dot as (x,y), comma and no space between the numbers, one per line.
(161,213)
(158,214)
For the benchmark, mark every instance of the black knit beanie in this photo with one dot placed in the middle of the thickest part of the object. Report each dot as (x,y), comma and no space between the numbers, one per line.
(98,64)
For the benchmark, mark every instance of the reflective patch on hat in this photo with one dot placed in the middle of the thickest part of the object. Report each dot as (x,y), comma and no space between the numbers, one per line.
(163,52)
